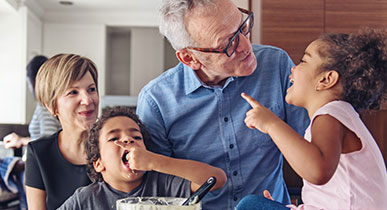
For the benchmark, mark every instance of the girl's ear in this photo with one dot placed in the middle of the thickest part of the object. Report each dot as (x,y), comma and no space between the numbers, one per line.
(328,79)
(188,58)
(98,165)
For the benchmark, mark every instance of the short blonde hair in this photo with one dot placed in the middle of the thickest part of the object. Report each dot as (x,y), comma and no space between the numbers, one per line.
(56,75)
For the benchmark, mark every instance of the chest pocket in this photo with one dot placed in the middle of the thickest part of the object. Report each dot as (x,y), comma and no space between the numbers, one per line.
(264,139)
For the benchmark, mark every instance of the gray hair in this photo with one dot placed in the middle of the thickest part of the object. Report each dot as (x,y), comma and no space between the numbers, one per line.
(172,25)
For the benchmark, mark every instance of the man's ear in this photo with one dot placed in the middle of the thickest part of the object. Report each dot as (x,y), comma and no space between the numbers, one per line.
(328,80)
(98,165)
(188,58)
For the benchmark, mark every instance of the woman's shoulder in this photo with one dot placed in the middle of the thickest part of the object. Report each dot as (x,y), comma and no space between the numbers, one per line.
(44,142)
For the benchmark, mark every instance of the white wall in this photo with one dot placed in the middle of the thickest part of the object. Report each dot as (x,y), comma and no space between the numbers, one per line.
(120,18)
(83,39)
(118,62)
(241,3)
(147,57)
(12,66)
(34,47)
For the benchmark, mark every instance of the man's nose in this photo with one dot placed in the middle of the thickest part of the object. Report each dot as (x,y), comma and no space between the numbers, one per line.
(244,43)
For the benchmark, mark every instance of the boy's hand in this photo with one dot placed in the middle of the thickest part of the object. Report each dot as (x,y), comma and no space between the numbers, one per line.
(258,117)
(138,158)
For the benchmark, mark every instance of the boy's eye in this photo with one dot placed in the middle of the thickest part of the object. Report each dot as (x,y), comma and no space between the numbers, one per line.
(137,137)
(302,61)
(113,139)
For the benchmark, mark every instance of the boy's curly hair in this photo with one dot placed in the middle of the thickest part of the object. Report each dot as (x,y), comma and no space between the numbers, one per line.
(361,61)
(92,143)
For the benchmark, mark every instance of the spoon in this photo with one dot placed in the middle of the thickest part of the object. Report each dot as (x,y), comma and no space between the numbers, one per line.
(201,192)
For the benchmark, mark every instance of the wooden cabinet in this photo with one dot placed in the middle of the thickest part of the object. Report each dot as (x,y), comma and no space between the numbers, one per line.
(347,16)
(376,123)
(293,24)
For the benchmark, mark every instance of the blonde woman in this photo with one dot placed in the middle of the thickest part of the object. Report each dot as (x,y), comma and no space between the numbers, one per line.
(56,165)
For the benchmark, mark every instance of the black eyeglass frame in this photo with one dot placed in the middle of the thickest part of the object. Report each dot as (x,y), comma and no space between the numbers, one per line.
(235,36)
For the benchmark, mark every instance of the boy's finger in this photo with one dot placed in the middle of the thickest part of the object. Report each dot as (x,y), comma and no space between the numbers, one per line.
(123,145)
(120,144)
(253,103)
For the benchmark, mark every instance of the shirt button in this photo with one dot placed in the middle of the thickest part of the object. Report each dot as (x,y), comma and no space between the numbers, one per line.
(235,198)
(235,173)
(225,119)
(231,146)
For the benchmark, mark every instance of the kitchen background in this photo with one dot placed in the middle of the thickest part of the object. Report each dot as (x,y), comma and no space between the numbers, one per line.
(121,37)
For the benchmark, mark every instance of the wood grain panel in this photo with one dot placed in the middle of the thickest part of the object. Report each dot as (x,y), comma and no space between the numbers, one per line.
(291,25)
(376,123)
(348,16)
(293,41)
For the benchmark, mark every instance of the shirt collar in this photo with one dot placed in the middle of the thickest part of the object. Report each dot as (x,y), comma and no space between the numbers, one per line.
(192,82)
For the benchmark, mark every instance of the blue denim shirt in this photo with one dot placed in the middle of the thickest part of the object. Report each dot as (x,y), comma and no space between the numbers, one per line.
(188,119)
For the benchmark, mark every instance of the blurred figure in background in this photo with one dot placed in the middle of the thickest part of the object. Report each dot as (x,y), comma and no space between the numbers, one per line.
(42,123)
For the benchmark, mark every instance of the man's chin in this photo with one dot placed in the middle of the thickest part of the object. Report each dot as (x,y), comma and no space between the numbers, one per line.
(245,72)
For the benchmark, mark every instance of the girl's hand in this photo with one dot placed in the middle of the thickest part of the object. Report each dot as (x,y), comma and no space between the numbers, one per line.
(259,117)
(138,157)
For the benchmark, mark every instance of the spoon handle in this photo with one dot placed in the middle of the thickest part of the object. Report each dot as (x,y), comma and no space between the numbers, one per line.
(201,192)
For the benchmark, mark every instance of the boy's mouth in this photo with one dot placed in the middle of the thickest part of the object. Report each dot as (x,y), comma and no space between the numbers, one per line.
(124,160)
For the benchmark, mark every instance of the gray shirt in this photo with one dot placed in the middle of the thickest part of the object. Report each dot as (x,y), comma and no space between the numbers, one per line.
(42,123)
(99,195)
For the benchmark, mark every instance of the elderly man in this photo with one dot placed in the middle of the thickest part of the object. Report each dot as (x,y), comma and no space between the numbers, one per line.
(195,111)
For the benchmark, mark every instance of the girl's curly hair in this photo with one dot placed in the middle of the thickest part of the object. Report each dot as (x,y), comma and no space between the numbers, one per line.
(92,143)
(361,61)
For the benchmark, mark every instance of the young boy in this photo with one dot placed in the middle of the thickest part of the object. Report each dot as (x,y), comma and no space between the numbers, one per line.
(120,166)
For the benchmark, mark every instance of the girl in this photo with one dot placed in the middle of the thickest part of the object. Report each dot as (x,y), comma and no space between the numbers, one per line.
(339,161)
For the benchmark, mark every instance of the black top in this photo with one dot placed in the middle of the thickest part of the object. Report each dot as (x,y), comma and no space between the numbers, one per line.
(47,169)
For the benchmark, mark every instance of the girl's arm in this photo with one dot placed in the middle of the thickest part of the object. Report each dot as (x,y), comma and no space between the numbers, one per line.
(314,161)
(36,198)
(194,171)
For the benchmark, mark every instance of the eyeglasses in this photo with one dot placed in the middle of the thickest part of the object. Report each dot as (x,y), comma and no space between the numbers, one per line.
(245,29)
